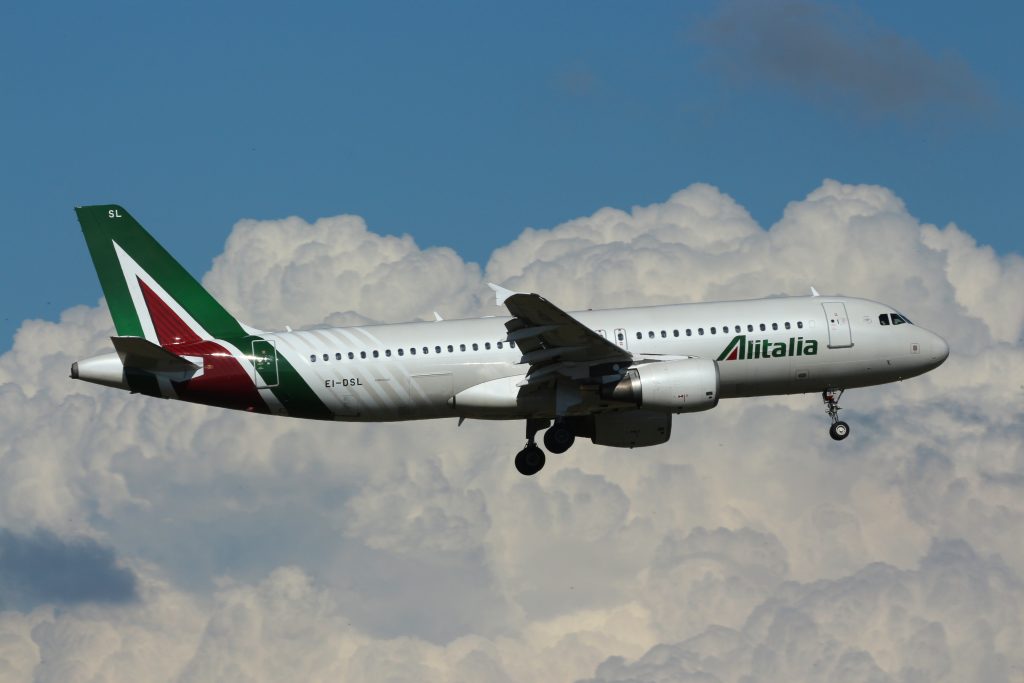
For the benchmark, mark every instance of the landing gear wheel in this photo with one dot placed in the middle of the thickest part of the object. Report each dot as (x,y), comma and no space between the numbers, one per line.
(530,461)
(559,439)
(839,431)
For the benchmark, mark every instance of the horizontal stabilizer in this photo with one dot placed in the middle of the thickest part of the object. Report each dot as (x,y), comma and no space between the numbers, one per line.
(142,354)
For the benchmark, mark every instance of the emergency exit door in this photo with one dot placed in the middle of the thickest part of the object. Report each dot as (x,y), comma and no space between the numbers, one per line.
(264,363)
(838,325)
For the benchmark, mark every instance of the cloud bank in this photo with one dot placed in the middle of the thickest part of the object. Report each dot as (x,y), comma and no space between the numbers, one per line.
(749,548)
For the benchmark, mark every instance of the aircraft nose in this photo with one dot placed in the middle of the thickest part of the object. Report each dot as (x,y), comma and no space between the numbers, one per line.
(940,349)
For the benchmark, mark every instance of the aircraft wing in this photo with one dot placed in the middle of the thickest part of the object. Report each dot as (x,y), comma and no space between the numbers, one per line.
(548,336)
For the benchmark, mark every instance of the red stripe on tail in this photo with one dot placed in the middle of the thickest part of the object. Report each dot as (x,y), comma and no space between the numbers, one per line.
(170,328)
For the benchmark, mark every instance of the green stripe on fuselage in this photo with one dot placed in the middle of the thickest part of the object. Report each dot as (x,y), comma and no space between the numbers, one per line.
(294,393)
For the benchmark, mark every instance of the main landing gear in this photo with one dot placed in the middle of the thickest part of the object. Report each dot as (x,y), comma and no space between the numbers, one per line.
(839,429)
(558,439)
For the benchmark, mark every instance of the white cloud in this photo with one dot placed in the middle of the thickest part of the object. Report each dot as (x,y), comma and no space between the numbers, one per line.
(288,271)
(957,616)
(750,544)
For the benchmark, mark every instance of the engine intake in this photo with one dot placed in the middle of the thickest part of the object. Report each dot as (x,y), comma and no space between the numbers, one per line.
(678,386)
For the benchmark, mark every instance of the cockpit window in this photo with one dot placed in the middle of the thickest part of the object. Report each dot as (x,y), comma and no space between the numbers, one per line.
(883,319)
(897,319)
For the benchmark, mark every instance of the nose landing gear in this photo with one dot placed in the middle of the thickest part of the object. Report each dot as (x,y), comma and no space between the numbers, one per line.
(839,429)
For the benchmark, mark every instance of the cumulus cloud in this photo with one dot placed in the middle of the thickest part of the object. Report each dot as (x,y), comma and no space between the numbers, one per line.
(751,547)
(837,55)
(301,273)
(935,622)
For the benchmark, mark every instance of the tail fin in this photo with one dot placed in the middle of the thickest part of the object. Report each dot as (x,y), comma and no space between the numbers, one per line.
(149,294)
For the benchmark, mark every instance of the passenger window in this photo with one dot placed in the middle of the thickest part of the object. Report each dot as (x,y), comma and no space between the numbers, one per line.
(376,353)
(787,326)
(639,335)
(512,344)
(763,328)
(312,358)
(775,326)
(700,331)
(664,334)
(351,356)
(462,347)
(675,333)
(426,350)
(499,345)
(651,334)
(712,330)
(337,356)
(689,332)
(437,349)
(487,346)
(883,319)
(362,354)
(401,352)
(750,328)
(475,347)
(800,324)
(387,353)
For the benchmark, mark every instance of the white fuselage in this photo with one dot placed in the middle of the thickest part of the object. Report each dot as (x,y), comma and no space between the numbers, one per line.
(418,370)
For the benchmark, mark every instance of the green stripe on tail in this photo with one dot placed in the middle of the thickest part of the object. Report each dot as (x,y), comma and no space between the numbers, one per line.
(106,224)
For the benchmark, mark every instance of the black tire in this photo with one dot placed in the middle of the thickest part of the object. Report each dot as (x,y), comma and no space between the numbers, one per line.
(559,439)
(839,431)
(530,461)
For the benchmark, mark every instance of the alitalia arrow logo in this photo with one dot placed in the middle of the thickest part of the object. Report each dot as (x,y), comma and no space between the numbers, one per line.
(740,348)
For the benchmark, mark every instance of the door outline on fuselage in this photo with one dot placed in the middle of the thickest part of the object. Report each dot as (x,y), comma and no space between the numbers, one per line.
(839,334)
(621,338)
(263,352)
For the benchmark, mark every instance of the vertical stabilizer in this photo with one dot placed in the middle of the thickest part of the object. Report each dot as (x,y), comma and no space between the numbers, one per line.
(149,294)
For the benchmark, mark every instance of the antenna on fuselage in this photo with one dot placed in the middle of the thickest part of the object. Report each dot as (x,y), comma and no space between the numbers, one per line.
(814,292)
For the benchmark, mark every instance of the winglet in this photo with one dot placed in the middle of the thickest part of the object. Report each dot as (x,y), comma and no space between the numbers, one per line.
(500,293)
(814,292)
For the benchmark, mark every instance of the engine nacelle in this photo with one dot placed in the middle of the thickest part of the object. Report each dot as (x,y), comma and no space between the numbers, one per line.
(678,386)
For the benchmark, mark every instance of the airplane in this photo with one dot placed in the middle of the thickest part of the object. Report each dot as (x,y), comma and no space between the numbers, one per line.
(614,376)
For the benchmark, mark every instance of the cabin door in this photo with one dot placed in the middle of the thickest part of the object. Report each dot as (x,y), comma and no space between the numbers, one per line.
(838,325)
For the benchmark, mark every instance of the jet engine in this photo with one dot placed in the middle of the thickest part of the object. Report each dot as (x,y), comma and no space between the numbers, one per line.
(677,386)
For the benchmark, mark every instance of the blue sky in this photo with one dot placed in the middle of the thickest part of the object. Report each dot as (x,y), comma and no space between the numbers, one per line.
(463,123)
